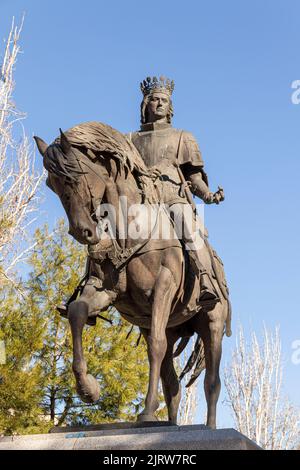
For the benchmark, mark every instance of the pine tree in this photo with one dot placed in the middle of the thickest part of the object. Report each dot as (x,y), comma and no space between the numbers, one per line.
(21,332)
(57,264)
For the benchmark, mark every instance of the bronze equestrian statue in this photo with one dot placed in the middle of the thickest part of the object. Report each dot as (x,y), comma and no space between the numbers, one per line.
(170,287)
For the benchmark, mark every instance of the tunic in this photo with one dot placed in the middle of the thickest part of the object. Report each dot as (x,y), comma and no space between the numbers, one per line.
(162,146)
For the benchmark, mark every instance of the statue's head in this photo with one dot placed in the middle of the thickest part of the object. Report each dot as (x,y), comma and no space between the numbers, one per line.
(157,104)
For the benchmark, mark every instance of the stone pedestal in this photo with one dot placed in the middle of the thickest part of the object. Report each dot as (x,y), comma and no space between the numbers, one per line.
(132,436)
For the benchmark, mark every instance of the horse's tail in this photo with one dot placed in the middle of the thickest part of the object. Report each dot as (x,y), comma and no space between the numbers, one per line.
(228,320)
(196,359)
(219,272)
(183,343)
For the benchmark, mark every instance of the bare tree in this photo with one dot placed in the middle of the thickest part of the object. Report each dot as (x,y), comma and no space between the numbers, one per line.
(253,380)
(189,400)
(19,182)
(188,405)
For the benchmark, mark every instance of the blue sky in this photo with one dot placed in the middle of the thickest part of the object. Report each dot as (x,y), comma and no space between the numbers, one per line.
(233,64)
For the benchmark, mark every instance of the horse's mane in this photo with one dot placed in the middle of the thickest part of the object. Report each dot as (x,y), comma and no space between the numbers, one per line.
(100,139)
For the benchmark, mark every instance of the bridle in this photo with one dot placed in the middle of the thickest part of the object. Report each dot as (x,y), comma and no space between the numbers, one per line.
(94,200)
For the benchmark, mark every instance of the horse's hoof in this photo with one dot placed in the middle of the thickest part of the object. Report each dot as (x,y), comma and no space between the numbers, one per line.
(211,426)
(173,421)
(88,389)
(142,418)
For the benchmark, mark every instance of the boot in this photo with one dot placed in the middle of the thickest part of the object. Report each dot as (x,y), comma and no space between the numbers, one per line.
(207,291)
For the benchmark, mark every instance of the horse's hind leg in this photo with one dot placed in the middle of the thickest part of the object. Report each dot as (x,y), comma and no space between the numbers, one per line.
(78,312)
(165,289)
(170,382)
(212,338)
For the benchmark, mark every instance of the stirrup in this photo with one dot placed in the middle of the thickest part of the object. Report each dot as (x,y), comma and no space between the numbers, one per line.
(207,304)
(207,299)
(208,294)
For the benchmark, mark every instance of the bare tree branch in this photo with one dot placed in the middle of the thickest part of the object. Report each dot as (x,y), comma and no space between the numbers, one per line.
(189,400)
(19,181)
(253,381)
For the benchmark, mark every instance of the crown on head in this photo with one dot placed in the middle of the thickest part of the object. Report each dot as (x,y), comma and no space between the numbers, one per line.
(163,85)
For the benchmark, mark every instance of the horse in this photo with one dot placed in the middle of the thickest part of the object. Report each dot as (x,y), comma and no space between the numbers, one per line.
(146,281)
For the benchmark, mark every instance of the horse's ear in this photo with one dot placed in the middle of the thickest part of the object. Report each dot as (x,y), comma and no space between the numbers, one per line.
(41,145)
(64,142)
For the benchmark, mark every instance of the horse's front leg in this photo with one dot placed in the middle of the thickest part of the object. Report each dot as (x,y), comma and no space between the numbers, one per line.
(78,312)
(156,339)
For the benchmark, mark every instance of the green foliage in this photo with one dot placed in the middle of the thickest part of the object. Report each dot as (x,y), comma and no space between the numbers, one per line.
(38,388)
(5,226)
(21,331)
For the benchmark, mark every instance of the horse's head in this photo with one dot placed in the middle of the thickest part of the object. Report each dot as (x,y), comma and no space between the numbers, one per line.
(78,183)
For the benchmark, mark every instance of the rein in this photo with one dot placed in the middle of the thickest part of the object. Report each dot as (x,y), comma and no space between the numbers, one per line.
(93,199)
(120,256)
